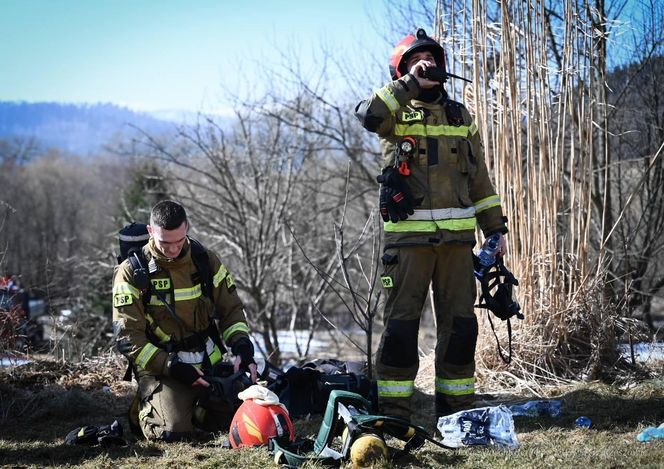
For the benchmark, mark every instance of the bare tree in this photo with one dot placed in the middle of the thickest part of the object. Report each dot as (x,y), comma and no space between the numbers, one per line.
(244,190)
(59,236)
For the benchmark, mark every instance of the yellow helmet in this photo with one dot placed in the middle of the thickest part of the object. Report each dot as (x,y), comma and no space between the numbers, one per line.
(367,449)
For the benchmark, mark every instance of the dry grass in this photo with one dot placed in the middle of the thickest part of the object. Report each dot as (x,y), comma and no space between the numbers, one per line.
(42,401)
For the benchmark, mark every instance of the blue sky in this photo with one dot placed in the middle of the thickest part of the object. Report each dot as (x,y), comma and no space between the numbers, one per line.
(165,54)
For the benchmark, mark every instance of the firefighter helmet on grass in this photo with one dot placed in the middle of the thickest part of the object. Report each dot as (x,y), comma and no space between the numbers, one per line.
(254,424)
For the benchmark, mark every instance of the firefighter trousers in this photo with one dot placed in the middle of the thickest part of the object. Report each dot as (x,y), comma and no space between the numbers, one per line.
(169,410)
(408,272)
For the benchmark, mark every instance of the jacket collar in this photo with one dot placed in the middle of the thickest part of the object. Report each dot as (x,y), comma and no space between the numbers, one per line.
(164,261)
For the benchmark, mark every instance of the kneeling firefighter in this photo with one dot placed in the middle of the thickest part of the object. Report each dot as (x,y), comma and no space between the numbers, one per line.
(435,188)
(170,299)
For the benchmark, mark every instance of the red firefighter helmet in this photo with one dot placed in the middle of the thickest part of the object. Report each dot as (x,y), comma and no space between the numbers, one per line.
(254,424)
(410,44)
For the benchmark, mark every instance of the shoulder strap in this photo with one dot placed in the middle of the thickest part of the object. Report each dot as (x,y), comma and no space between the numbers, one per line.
(139,266)
(140,273)
(201,259)
(141,277)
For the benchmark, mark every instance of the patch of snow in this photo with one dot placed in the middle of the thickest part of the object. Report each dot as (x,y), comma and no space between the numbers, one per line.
(644,352)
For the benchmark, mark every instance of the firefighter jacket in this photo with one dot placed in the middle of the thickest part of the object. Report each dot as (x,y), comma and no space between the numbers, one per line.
(447,169)
(147,332)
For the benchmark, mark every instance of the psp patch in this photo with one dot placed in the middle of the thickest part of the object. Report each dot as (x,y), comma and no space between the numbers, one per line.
(161,283)
(412,116)
(122,299)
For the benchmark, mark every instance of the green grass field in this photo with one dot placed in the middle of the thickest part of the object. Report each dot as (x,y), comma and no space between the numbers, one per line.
(41,402)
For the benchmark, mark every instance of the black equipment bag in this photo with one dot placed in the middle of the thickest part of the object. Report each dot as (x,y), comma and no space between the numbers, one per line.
(305,390)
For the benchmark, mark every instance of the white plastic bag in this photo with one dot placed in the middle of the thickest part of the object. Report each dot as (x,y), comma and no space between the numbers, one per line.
(482,426)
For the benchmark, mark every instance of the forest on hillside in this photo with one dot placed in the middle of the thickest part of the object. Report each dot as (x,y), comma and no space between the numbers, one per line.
(570,106)
(80,129)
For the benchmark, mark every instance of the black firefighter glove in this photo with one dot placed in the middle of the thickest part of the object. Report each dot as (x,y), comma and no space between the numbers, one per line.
(396,201)
(182,372)
(244,349)
(91,435)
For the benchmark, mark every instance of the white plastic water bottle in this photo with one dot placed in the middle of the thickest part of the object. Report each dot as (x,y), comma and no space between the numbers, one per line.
(482,426)
(487,255)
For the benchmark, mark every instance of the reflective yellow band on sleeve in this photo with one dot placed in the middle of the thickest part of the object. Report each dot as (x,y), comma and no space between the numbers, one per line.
(215,356)
(395,388)
(403,226)
(146,354)
(126,288)
(237,327)
(487,203)
(229,281)
(455,387)
(219,276)
(386,96)
(422,130)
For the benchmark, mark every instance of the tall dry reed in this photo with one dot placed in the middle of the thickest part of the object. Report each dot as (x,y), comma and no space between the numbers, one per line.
(539,98)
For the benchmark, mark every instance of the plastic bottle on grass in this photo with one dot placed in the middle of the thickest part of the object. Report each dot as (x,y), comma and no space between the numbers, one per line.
(583,422)
(538,408)
(651,433)
(483,426)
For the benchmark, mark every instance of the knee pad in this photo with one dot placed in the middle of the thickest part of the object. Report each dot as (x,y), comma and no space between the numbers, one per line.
(461,348)
(400,343)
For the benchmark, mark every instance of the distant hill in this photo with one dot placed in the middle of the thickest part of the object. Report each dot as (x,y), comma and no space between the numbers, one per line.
(81,129)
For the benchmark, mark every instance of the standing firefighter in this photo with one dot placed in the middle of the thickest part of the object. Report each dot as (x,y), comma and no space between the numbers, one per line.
(435,188)
(166,319)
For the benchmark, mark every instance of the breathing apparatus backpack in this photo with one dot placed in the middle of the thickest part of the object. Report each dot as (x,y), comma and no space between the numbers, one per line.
(348,424)
(497,286)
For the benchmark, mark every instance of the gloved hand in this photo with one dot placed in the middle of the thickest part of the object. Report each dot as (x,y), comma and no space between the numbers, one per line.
(183,372)
(396,201)
(244,349)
